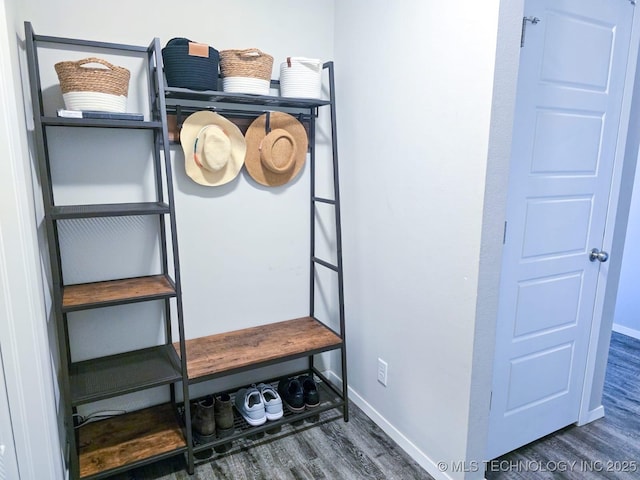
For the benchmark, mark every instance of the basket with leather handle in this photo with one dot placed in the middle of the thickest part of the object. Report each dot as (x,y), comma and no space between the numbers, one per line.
(190,64)
(246,71)
(301,77)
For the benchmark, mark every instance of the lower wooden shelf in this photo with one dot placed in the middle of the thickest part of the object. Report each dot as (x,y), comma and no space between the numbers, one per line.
(122,442)
(249,348)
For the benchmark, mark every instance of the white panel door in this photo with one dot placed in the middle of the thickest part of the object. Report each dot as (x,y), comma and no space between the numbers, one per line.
(570,85)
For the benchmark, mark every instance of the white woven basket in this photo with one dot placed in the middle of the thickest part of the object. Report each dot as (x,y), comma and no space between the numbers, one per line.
(104,102)
(255,86)
(301,77)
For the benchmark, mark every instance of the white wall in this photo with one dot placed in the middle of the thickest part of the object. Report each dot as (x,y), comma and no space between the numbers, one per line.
(495,200)
(415,105)
(419,145)
(243,248)
(234,237)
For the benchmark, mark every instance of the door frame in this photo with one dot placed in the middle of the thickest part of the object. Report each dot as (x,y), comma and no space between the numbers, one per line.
(627,149)
(614,235)
(624,166)
(25,349)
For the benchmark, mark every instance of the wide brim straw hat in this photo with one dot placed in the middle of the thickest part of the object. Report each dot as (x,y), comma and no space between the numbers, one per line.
(214,148)
(276,148)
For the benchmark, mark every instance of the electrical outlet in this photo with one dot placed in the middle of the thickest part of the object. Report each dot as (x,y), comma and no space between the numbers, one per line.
(382,372)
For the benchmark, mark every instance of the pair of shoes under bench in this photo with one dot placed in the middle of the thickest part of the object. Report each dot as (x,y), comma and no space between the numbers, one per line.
(299,393)
(259,403)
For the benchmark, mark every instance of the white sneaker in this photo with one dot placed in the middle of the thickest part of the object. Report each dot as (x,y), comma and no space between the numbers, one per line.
(250,405)
(272,401)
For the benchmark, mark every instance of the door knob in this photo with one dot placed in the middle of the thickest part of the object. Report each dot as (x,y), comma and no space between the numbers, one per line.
(596,254)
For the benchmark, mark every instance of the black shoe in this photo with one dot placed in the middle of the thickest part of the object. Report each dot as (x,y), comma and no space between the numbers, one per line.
(309,391)
(290,390)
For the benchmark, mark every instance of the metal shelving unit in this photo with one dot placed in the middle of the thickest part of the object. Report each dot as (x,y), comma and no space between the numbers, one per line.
(106,447)
(103,448)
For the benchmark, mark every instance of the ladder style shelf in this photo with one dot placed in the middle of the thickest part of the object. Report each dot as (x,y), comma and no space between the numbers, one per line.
(99,449)
(102,448)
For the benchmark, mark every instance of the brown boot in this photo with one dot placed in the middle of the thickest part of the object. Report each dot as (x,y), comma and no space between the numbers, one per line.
(224,420)
(203,420)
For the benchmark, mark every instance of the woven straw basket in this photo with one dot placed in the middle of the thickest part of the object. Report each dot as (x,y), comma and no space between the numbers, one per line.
(93,88)
(246,71)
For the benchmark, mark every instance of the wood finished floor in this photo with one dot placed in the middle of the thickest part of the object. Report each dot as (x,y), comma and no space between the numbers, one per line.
(334,450)
(599,448)
(327,449)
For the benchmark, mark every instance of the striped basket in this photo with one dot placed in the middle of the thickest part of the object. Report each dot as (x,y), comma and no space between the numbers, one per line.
(301,77)
(102,88)
(246,71)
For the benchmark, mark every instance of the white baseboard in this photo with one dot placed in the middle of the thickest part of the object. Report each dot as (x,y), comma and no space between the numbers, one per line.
(629,332)
(591,416)
(407,445)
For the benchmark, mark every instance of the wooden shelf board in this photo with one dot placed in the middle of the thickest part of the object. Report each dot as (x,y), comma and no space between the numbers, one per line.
(133,438)
(238,350)
(112,292)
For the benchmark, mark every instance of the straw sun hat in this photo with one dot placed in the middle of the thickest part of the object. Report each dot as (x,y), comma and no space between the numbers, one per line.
(214,148)
(275,152)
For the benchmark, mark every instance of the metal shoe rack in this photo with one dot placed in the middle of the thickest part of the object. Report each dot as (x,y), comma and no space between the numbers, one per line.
(106,447)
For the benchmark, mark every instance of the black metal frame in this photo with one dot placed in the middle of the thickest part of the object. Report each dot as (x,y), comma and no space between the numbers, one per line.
(307,110)
(155,366)
(171,369)
(338,229)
